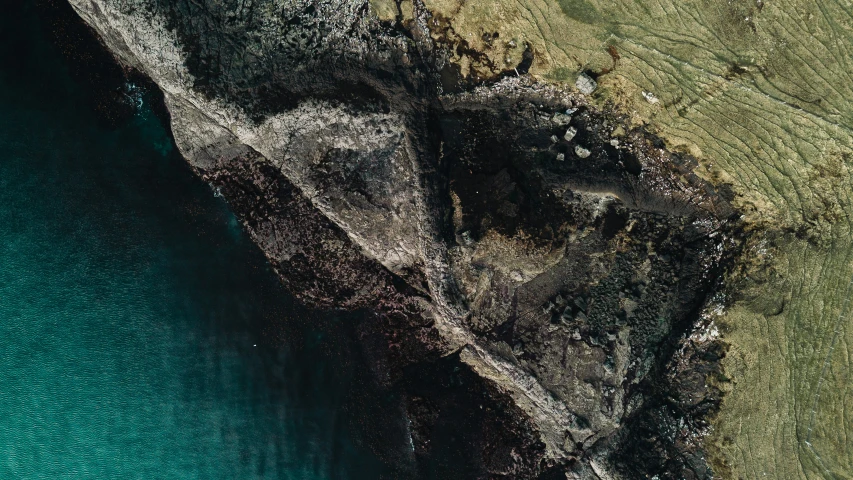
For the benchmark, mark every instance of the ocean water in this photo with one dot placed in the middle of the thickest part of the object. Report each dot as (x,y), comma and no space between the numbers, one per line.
(142,336)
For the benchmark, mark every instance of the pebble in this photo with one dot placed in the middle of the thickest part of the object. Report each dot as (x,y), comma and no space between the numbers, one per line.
(650,97)
(582,152)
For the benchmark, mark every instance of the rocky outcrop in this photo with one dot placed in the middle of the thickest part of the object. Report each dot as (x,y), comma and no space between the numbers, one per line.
(558,256)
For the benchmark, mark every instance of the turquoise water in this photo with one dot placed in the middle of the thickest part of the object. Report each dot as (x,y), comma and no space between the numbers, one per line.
(141,334)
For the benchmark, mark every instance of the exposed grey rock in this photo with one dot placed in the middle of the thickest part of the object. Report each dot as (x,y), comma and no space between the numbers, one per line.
(561,119)
(585,84)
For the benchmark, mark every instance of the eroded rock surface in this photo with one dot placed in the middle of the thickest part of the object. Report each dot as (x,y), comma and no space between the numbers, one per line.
(509,236)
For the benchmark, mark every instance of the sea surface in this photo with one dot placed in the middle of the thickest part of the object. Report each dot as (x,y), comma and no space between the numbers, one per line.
(142,335)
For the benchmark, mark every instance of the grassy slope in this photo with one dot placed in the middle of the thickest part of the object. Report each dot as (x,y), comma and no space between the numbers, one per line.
(760,93)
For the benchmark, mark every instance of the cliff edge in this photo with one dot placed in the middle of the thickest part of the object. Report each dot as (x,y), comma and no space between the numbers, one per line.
(541,240)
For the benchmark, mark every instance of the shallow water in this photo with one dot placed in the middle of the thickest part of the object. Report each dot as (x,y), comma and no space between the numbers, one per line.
(141,333)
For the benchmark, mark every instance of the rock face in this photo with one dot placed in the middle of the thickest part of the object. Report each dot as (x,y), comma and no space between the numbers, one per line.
(566,280)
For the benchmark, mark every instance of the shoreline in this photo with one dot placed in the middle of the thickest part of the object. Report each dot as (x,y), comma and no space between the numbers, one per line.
(282,221)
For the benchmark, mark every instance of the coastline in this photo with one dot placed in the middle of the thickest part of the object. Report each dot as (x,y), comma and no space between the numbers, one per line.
(417,317)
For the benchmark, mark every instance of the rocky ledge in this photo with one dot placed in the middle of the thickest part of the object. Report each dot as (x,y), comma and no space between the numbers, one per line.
(533,265)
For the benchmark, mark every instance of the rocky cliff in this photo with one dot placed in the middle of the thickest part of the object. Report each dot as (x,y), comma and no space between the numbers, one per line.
(540,249)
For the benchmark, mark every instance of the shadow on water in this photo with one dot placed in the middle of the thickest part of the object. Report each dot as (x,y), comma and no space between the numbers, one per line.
(142,334)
